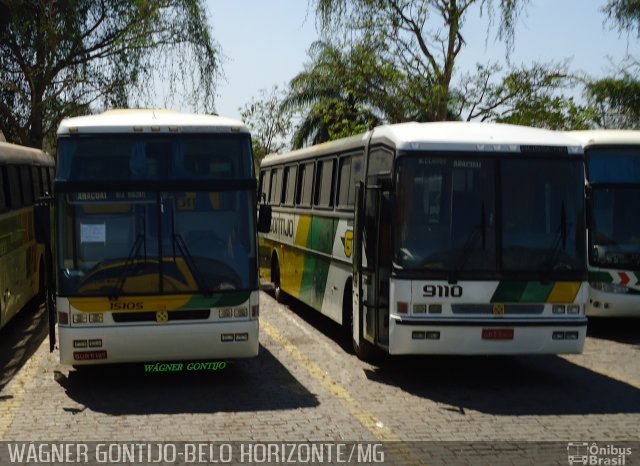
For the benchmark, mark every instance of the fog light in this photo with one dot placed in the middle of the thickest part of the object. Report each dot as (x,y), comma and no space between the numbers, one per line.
(96,343)
(80,318)
(241,312)
(433,335)
(79,343)
(227,337)
(558,308)
(417,335)
(96,318)
(419,308)
(570,335)
(573,309)
(242,336)
(558,335)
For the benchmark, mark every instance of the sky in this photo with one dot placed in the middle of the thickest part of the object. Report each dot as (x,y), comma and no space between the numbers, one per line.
(265,42)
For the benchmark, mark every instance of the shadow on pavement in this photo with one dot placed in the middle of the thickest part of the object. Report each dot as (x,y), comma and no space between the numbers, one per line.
(621,330)
(508,385)
(503,385)
(20,338)
(257,384)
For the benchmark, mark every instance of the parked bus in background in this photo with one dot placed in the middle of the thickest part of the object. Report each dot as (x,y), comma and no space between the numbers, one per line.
(26,175)
(434,238)
(613,197)
(156,238)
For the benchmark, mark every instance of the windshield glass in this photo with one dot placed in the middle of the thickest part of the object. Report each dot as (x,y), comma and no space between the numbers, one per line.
(445,213)
(151,156)
(543,214)
(615,229)
(449,216)
(124,243)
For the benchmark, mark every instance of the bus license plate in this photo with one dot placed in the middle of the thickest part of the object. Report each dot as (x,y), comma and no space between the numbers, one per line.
(497,334)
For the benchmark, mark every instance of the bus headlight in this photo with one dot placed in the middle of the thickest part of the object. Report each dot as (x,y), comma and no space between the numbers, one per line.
(96,318)
(80,318)
(573,309)
(610,287)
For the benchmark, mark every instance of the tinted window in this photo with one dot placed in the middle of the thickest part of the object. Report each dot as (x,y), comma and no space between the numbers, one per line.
(13,181)
(290,186)
(305,185)
(324,184)
(276,186)
(265,180)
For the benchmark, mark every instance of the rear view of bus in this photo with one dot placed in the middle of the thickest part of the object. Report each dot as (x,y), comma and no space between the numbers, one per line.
(613,174)
(156,238)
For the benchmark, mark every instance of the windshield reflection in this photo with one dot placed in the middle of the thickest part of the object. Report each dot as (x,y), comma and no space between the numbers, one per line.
(149,242)
(615,231)
(450,218)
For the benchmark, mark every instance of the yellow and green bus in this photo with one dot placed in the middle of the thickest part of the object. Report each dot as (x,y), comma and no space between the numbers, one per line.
(156,232)
(26,175)
(434,238)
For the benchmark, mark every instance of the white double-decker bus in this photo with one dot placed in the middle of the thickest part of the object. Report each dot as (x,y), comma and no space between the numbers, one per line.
(435,238)
(613,197)
(155,238)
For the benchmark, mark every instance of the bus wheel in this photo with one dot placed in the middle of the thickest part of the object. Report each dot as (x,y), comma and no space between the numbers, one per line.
(275,279)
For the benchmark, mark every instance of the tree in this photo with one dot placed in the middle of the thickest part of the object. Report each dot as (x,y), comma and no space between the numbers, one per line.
(616,100)
(344,91)
(625,13)
(269,122)
(63,57)
(424,38)
(531,96)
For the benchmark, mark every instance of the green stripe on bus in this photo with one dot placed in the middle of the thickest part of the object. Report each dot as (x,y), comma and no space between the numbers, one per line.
(600,276)
(519,291)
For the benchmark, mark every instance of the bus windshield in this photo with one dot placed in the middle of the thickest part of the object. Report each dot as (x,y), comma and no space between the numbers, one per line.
(126,243)
(151,156)
(456,214)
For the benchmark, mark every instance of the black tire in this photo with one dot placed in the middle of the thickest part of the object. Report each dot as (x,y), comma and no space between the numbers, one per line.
(275,279)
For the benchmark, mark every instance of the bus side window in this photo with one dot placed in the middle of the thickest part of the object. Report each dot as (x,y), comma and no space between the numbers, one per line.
(13,181)
(324,184)
(290,184)
(357,169)
(344,178)
(37,182)
(305,185)
(27,185)
(3,193)
(276,187)
(265,179)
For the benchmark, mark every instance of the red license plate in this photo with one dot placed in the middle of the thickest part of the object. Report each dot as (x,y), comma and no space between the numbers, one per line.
(497,334)
(89,355)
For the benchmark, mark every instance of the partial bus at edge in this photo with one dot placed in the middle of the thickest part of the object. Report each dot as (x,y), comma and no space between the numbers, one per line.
(155,238)
(434,238)
(25,175)
(613,197)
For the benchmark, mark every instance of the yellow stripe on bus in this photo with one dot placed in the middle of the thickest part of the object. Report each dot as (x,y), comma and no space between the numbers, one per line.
(140,303)
(564,292)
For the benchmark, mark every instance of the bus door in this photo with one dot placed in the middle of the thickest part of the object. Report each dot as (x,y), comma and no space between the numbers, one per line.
(372,262)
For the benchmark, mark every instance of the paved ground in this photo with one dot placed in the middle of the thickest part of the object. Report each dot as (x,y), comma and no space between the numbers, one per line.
(306,385)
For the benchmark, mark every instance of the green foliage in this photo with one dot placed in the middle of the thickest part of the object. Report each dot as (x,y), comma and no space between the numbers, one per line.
(341,93)
(269,122)
(617,101)
(422,38)
(625,13)
(63,57)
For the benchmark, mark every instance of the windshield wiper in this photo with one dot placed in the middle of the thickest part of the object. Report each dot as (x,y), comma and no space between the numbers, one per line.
(191,264)
(559,240)
(129,265)
(467,249)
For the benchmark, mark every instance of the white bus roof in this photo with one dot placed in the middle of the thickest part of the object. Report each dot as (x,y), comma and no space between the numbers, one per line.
(149,121)
(606,137)
(14,153)
(445,136)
